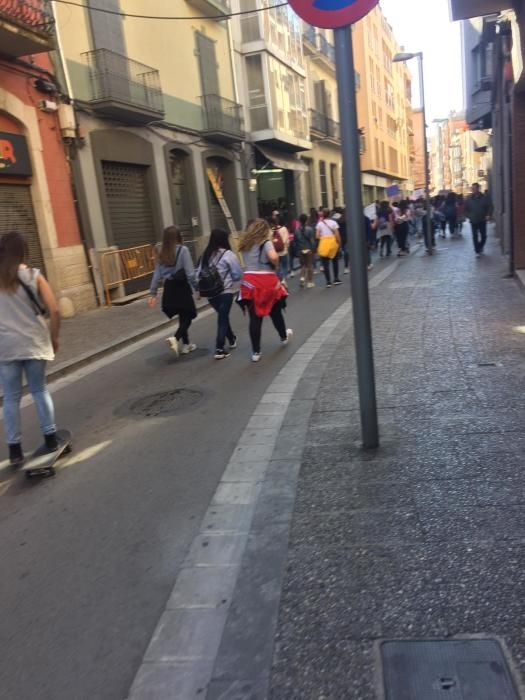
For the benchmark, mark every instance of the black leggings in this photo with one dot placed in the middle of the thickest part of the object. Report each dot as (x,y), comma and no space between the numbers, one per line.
(276,314)
(185,319)
(326,268)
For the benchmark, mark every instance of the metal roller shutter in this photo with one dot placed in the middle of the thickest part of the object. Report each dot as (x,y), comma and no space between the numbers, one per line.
(16,214)
(129,206)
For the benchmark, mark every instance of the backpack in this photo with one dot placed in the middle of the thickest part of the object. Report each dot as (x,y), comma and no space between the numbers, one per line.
(383,223)
(210,282)
(277,241)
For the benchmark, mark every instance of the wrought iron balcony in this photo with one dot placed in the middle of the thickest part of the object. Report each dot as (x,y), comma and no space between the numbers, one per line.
(310,36)
(26,27)
(124,89)
(326,48)
(222,119)
(323,128)
(212,8)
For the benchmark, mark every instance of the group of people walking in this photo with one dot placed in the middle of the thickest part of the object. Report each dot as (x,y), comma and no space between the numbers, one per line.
(30,321)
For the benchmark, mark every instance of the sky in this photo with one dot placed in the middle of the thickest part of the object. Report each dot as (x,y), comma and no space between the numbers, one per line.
(430,30)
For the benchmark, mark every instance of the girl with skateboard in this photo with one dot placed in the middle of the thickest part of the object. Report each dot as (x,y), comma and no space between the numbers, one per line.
(27,343)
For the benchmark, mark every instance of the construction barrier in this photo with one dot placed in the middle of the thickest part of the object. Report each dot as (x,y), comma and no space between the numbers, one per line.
(126,265)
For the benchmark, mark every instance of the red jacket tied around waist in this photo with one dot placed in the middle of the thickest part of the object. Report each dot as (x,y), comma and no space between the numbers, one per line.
(263,289)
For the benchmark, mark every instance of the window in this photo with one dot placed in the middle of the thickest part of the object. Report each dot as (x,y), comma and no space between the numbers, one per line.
(378,156)
(256,95)
(394,164)
(323,183)
(333,182)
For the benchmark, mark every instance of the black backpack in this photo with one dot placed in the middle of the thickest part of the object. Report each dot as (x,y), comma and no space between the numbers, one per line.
(210,282)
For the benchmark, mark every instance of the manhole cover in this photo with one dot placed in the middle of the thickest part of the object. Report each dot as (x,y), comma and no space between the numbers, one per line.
(165,403)
(470,669)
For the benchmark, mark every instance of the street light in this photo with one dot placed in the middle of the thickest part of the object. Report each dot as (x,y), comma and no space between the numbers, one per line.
(403,58)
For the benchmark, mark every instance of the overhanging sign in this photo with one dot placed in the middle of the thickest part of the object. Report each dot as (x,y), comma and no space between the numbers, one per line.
(331,14)
(14,155)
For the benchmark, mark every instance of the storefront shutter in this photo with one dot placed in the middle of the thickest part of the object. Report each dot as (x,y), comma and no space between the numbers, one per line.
(16,206)
(129,205)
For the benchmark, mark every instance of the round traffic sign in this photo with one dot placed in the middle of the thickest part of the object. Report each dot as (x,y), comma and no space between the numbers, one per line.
(331,14)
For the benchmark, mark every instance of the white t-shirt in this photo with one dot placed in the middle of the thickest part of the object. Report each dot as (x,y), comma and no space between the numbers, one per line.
(327,227)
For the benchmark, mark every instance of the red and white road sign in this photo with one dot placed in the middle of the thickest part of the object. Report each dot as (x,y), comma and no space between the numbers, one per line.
(331,14)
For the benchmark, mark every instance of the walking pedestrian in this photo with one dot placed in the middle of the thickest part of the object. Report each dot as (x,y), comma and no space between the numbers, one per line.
(281,244)
(478,210)
(27,343)
(292,226)
(461,215)
(217,273)
(261,291)
(174,268)
(384,226)
(401,228)
(340,218)
(450,210)
(327,233)
(305,246)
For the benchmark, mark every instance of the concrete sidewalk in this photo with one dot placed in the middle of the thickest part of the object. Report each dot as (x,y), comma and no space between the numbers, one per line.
(423,538)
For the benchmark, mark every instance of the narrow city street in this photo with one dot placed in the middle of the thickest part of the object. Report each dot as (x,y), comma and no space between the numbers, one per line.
(90,556)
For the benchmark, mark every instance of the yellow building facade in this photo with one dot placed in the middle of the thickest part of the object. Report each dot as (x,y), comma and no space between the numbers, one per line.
(384,108)
(160,127)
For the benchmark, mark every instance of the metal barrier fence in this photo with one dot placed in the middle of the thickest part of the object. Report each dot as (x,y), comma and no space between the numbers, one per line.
(126,265)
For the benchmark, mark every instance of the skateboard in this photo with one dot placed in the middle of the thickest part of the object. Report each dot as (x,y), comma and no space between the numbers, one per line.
(42,461)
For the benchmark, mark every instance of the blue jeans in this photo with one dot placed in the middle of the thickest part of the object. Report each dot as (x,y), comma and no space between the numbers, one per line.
(222,305)
(11,375)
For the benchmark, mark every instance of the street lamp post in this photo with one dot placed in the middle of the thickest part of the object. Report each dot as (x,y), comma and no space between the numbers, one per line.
(403,58)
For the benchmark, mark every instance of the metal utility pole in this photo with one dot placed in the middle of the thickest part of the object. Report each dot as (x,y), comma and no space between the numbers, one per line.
(356,236)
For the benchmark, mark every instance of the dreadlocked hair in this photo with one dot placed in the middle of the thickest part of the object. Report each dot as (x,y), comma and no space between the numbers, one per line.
(256,233)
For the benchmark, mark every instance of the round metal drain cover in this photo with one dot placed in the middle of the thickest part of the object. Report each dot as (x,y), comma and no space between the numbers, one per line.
(166,403)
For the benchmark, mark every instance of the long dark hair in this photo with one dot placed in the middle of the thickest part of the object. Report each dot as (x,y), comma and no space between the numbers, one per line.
(13,253)
(219,238)
(171,238)
(384,210)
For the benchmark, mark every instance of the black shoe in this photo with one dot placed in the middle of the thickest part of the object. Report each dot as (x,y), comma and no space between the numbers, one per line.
(16,456)
(233,344)
(51,441)
(336,282)
(221,355)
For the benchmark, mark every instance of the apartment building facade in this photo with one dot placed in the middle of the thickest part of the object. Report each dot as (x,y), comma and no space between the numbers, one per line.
(159,126)
(36,196)
(384,108)
(322,184)
(271,75)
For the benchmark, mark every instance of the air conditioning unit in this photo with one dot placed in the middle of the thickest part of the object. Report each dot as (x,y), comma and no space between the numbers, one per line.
(48,106)
(66,119)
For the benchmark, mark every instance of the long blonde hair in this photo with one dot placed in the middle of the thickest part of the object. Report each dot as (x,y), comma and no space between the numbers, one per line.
(257,232)
(171,238)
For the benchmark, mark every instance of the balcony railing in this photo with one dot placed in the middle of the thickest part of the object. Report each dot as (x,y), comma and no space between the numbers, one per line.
(310,36)
(212,8)
(222,119)
(26,27)
(323,126)
(123,88)
(326,48)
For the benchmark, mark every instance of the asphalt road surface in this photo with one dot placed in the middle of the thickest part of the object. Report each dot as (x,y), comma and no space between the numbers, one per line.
(89,557)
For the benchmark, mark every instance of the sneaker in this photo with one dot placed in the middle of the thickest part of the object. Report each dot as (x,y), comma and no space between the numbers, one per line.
(234,344)
(347,271)
(370,267)
(292,274)
(336,282)
(301,281)
(310,285)
(221,355)
(328,285)
(256,357)
(16,456)
(289,335)
(186,349)
(478,255)
(174,345)
(51,442)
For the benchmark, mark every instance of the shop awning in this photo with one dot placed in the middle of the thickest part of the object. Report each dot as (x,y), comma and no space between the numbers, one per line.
(286,161)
